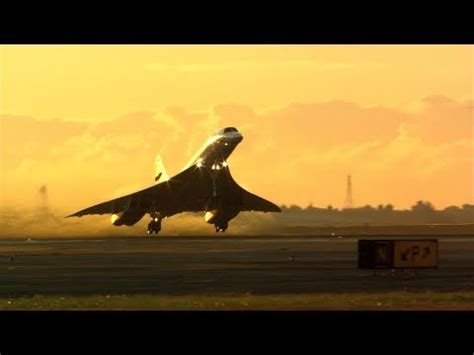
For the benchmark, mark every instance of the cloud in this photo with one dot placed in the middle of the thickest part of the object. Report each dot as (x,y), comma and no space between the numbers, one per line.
(293,154)
(27,138)
(443,119)
(394,154)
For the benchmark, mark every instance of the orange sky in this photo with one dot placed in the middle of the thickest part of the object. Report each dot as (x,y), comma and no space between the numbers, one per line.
(89,120)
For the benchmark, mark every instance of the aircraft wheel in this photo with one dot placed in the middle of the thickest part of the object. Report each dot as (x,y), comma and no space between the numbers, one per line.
(220,228)
(154,227)
(223,227)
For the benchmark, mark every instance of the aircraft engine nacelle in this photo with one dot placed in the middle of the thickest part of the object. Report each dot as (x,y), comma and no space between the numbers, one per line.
(219,216)
(128,218)
(210,216)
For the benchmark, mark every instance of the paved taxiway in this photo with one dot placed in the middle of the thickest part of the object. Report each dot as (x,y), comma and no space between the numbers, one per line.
(214,265)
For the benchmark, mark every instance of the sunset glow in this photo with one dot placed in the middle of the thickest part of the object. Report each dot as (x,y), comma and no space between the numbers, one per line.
(88,121)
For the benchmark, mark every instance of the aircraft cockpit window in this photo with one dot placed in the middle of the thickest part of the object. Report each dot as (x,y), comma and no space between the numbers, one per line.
(230,129)
(227,130)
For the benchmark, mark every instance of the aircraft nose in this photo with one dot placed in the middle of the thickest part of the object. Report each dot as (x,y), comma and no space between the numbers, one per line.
(233,138)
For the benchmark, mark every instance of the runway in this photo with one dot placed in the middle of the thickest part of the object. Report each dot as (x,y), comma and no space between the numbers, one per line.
(215,265)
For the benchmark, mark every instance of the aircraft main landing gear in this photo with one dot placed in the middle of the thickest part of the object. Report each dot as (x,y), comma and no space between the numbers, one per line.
(154,226)
(221,228)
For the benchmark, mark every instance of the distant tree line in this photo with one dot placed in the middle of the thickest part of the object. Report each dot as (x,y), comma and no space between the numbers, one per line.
(421,212)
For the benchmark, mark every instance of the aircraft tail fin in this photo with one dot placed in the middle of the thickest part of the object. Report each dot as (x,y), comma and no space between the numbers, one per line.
(160,172)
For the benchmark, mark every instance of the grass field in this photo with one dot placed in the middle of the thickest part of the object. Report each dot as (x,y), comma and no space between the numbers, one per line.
(320,301)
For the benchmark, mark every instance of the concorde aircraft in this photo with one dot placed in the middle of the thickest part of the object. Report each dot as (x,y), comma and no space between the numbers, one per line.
(204,185)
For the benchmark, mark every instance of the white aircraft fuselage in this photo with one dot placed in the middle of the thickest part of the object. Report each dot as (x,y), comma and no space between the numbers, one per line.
(216,150)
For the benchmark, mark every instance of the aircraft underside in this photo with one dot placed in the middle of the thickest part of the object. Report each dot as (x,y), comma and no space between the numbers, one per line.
(218,212)
(220,220)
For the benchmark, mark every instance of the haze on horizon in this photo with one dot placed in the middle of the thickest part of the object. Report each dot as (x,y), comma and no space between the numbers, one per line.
(87,121)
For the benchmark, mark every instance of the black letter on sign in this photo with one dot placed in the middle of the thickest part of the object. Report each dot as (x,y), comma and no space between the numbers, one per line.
(415,251)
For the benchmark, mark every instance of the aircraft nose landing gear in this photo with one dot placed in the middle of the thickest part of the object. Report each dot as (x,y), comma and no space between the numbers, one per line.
(154,226)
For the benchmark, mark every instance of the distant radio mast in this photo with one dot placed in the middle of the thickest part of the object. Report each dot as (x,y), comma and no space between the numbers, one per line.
(349,202)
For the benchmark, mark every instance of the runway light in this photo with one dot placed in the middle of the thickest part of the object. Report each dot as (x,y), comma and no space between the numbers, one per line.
(156,219)
(225,143)
(224,164)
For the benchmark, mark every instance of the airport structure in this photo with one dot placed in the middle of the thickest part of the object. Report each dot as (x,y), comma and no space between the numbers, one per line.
(349,203)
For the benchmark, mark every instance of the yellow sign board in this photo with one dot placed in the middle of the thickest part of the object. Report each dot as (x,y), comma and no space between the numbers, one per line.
(415,253)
